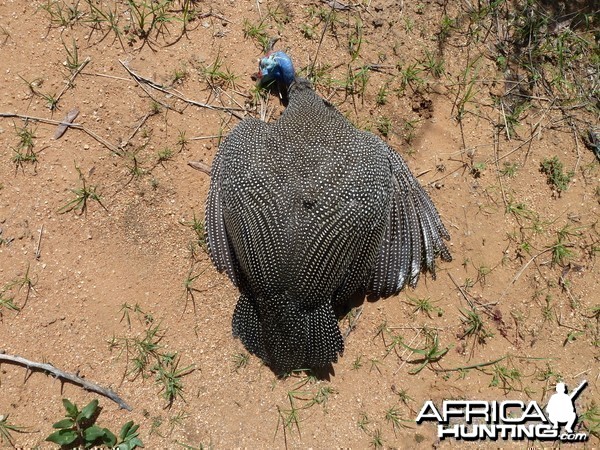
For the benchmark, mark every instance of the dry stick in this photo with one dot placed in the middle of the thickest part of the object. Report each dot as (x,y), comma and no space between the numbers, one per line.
(520,272)
(212,136)
(496,145)
(139,80)
(73,76)
(38,251)
(574,128)
(103,75)
(505,121)
(176,94)
(212,14)
(77,126)
(469,302)
(407,350)
(327,22)
(205,168)
(32,365)
(140,125)
(221,91)
(260,16)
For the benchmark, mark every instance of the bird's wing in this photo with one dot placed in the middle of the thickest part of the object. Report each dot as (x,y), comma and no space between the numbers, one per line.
(414,236)
(216,235)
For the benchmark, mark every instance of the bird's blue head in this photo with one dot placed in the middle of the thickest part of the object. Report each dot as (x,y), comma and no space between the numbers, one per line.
(276,66)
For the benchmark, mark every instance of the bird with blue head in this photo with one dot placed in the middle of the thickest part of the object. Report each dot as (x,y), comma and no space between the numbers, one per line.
(304,214)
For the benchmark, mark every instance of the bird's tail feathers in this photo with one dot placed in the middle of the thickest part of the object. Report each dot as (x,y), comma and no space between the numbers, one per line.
(289,339)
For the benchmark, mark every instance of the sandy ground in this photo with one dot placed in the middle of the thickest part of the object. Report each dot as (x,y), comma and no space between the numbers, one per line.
(87,284)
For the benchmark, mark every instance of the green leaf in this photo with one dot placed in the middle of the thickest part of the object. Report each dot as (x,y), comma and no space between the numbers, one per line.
(109,439)
(89,410)
(63,437)
(91,434)
(71,408)
(135,442)
(125,430)
(65,423)
(130,444)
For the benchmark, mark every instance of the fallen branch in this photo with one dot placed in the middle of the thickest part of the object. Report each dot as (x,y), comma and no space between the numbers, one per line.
(200,166)
(32,365)
(77,126)
(154,85)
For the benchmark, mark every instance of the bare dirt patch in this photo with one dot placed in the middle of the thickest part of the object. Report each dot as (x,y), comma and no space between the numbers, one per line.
(475,98)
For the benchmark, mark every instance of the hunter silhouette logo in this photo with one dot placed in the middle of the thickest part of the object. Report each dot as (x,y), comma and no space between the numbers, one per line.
(561,406)
(509,419)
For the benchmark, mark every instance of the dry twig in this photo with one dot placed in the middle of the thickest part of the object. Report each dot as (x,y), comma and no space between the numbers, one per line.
(87,385)
(77,126)
(140,79)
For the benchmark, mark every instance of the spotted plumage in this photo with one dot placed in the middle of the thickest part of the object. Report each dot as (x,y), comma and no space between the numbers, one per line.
(305,212)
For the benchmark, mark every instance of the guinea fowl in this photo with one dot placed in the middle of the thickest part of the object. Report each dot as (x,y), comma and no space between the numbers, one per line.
(306,212)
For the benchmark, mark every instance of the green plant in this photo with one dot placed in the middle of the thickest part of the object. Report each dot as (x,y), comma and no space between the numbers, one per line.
(382,95)
(126,308)
(561,248)
(554,171)
(473,326)
(505,377)
(240,360)
(198,226)
(135,168)
(7,303)
(79,430)
(51,100)
(26,281)
(402,395)
(82,196)
(424,305)
(446,27)
(217,75)
(257,32)
(384,126)
(509,169)
(394,417)
(169,377)
(591,419)
(301,397)
(356,81)
(165,154)
(189,289)
(146,358)
(308,31)
(355,40)
(433,63)
(6,429)
(148,16)
(24,152)
(363,421)
(179,75)
(140,351)
(377,439)
(409,76)
(182,140)
(62,14)
(431,353)
(72,62)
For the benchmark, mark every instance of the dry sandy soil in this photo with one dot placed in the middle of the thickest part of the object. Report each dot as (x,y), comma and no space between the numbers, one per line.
(83,288)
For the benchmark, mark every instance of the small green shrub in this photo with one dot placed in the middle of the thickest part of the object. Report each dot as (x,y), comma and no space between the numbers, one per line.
(79,430)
